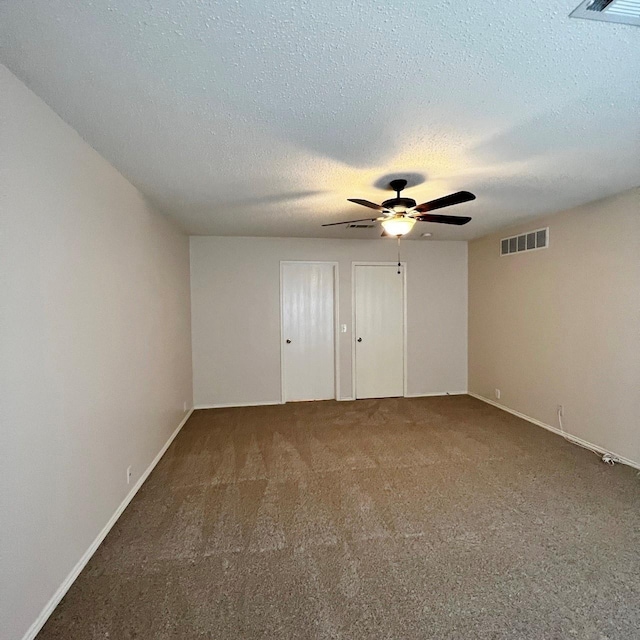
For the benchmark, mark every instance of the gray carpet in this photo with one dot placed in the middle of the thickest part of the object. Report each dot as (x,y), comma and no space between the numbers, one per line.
(402,518)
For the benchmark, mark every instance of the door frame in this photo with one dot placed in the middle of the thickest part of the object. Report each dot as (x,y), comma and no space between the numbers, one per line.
(336,325)
(353,320)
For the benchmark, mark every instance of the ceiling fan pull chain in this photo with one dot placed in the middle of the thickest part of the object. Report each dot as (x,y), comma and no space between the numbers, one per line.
(399,264)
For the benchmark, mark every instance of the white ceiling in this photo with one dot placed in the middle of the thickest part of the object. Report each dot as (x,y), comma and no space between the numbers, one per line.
(260,117)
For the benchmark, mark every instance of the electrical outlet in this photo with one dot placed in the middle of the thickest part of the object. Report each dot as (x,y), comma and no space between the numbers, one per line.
(184,406)
(497,392)
(129,474)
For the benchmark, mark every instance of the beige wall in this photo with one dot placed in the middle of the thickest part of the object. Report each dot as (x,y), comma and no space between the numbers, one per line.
(95,353)
(562,325)
(236,312)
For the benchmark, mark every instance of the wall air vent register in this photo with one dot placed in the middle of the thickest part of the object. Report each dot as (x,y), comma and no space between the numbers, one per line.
(620,11)
(530,241)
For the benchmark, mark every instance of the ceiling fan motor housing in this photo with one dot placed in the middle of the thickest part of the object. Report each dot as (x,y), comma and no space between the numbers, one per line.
(399,203)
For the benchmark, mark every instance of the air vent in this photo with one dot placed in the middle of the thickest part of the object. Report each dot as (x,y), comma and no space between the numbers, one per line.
(360,226)
(621,11)
(530,241)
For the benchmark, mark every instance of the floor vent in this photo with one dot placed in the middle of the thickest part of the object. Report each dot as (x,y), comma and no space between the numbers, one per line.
(530,241)
(360,226)
(621,11)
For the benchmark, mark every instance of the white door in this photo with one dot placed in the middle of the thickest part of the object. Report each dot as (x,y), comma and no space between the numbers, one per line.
(379,331)
(308,331)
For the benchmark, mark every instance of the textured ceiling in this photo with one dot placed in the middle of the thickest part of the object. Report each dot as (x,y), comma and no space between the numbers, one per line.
(260,117)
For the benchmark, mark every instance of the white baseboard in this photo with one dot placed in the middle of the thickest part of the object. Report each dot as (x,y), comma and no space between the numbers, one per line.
(231,405)
(575,439)
(437,394)
(418,395)
(75,572)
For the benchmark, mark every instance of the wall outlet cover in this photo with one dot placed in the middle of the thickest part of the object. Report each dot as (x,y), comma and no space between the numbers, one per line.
(129,474)
(497,392)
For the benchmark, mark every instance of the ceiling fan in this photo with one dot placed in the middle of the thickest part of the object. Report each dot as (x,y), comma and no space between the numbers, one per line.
(400,214)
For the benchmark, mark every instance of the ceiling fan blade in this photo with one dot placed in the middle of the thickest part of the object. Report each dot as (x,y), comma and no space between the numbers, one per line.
(333,224)
(429,217)
(455,198)
(366,203)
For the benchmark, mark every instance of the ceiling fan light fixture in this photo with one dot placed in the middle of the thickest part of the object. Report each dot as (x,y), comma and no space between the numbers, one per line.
(398,225)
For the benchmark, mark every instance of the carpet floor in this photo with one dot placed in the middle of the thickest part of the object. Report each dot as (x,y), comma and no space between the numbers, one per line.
(440,518)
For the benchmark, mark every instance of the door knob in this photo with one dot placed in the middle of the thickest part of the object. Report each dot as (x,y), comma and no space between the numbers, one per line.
(359,339)
(288,341)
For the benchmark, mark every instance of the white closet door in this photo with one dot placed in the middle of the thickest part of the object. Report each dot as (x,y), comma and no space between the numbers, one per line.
(379,331)
(308,331)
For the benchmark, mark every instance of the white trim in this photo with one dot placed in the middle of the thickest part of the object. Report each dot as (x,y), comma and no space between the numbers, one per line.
(353,330)
(436,394)
(231,405)
(405,331)
(336,327)
(86,556)
(419,395)
(368,263)
(575,439)
(282,372)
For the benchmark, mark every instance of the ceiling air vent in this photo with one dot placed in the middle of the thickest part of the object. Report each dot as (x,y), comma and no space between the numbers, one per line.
(530,241)
(622,11)
(361,226)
